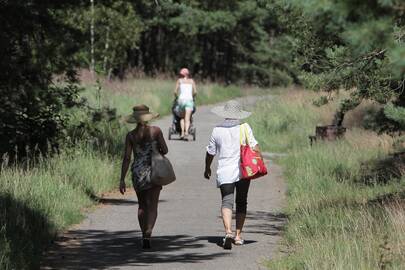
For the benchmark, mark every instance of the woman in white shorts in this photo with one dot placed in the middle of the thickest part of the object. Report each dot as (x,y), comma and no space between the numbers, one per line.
(185,93)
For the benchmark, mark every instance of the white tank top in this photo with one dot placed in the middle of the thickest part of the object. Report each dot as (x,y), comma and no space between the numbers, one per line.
(186,91)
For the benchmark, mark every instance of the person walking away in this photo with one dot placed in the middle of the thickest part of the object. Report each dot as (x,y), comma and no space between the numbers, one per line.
(185,93)
(140,142)
(225,143)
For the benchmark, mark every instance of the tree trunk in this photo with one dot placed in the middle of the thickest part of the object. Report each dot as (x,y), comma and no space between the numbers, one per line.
(345,106)
(92,64)
(106,47)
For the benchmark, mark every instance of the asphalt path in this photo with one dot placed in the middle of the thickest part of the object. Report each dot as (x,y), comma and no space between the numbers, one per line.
(188,230)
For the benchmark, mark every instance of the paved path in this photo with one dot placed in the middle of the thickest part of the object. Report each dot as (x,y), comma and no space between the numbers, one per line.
(188,230)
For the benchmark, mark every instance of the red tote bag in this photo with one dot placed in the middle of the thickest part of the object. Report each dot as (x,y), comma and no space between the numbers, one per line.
(252,164)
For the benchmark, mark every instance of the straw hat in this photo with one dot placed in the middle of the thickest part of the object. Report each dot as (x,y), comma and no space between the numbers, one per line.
(184,72)
(141,113)
(232,109)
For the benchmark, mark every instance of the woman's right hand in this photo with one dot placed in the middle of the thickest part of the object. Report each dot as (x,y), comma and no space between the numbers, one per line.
(122,187)
(207,173)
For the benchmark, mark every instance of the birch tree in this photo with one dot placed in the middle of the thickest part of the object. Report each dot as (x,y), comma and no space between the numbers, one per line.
(92,65)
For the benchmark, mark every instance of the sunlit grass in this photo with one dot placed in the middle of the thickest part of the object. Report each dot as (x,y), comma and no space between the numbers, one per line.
(36,204)
(336,220)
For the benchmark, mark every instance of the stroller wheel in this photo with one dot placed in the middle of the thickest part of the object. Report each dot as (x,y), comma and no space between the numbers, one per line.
(170,134)
(194,133)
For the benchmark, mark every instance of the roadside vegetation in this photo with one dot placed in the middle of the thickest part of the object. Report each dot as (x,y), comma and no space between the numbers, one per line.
(345,198)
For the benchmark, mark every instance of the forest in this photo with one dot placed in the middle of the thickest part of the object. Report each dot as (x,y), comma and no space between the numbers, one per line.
(322,45)
(343,53)
(330,46)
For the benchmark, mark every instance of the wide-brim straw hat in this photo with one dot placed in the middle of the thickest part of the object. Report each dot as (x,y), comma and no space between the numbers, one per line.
(232,110)
(141,113)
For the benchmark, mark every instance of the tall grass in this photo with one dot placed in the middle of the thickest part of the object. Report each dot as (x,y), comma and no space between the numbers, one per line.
(337,219)
(38,202)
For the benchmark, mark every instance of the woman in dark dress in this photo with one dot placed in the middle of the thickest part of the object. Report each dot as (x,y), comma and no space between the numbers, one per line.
(140,142)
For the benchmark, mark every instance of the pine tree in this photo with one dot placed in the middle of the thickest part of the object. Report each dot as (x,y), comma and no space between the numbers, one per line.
(354,45)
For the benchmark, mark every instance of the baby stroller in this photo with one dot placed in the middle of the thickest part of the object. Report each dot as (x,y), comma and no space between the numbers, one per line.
(175,128)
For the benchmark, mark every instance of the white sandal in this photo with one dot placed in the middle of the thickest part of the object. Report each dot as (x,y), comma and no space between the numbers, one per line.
(239,242)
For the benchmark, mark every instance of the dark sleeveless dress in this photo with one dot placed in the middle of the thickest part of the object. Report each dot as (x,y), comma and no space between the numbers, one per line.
(141,167)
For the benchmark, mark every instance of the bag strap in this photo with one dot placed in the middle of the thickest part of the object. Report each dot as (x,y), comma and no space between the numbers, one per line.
(243,134)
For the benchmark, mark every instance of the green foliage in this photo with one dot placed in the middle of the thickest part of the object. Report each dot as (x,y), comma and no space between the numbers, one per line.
(232,41)
(36,46)
(116,32)
(354,45)
(396,114)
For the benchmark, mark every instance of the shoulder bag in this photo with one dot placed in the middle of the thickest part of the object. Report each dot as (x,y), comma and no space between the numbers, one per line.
(162,172)
(251,162)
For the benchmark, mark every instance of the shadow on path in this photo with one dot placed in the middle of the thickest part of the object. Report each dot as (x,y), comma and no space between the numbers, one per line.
(99,249)
(267,223)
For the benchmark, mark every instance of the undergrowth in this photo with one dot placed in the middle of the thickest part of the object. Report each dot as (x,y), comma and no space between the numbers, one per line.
(337,217)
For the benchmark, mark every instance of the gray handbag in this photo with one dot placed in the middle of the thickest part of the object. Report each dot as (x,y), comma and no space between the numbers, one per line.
(162,170)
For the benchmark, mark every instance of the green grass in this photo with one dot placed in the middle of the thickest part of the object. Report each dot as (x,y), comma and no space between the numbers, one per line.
(39,202)
(156,93)
(335,219)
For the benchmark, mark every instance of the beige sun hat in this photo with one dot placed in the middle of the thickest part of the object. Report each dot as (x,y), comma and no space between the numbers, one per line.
(232,110)
(141,113)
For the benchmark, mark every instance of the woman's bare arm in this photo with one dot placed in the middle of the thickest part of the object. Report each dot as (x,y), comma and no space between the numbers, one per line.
(127,157)
(162,143)
(176,90)
(208,161)
(194,89)
(257,149)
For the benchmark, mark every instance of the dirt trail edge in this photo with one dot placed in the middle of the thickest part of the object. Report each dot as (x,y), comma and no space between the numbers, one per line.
(189,230)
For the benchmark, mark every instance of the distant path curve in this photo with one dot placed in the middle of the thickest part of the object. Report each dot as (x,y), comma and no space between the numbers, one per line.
(188,228)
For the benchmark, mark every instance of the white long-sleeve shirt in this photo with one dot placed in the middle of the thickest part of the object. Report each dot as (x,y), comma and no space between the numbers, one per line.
(225,142)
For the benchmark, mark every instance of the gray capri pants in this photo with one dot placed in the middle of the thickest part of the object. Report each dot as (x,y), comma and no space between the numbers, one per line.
(227,193)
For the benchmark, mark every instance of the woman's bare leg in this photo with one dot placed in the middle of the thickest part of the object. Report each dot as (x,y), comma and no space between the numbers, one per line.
(142,211)
(227,219)
(227,194)
(187,119)
(182,125)
(152,199)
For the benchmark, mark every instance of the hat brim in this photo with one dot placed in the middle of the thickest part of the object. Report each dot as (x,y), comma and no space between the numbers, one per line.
(220,111)
(142,118)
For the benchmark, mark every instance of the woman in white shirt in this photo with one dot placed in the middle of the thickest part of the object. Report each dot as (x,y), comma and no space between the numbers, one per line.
(225,142)
(185,93)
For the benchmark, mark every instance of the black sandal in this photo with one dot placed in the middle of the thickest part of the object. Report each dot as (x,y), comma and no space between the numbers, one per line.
(228,239)
(146,243)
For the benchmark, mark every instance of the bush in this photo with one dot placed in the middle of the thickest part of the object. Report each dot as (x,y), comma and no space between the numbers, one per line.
(32,103)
